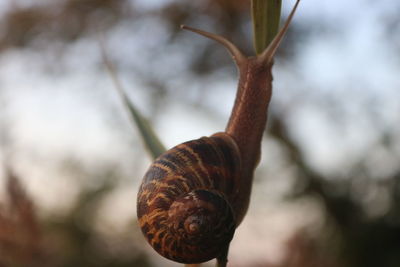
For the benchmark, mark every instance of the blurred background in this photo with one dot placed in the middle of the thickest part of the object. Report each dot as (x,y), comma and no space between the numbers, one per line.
(326,193)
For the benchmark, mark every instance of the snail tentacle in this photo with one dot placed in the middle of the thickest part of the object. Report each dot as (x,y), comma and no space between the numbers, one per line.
(237,55)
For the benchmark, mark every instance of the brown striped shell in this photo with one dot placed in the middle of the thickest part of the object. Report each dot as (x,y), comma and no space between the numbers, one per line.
(184,203)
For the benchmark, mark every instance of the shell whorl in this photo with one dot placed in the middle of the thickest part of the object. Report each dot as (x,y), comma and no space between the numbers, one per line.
(186,201)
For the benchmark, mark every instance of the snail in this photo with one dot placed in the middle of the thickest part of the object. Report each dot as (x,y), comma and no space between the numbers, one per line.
(194,196)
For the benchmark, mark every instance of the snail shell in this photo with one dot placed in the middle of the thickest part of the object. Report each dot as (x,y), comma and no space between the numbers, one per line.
(186,201)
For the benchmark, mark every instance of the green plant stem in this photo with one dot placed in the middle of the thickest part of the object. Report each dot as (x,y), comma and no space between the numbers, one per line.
(150,138)
(222,259)
(266,15)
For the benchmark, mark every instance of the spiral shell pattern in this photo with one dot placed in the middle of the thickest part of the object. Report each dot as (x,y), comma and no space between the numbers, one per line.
(184,201)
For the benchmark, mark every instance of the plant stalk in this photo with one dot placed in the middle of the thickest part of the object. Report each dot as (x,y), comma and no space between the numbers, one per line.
(266,15)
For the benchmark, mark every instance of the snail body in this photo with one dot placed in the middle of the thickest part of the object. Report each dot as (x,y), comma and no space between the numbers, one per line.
(194,195)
